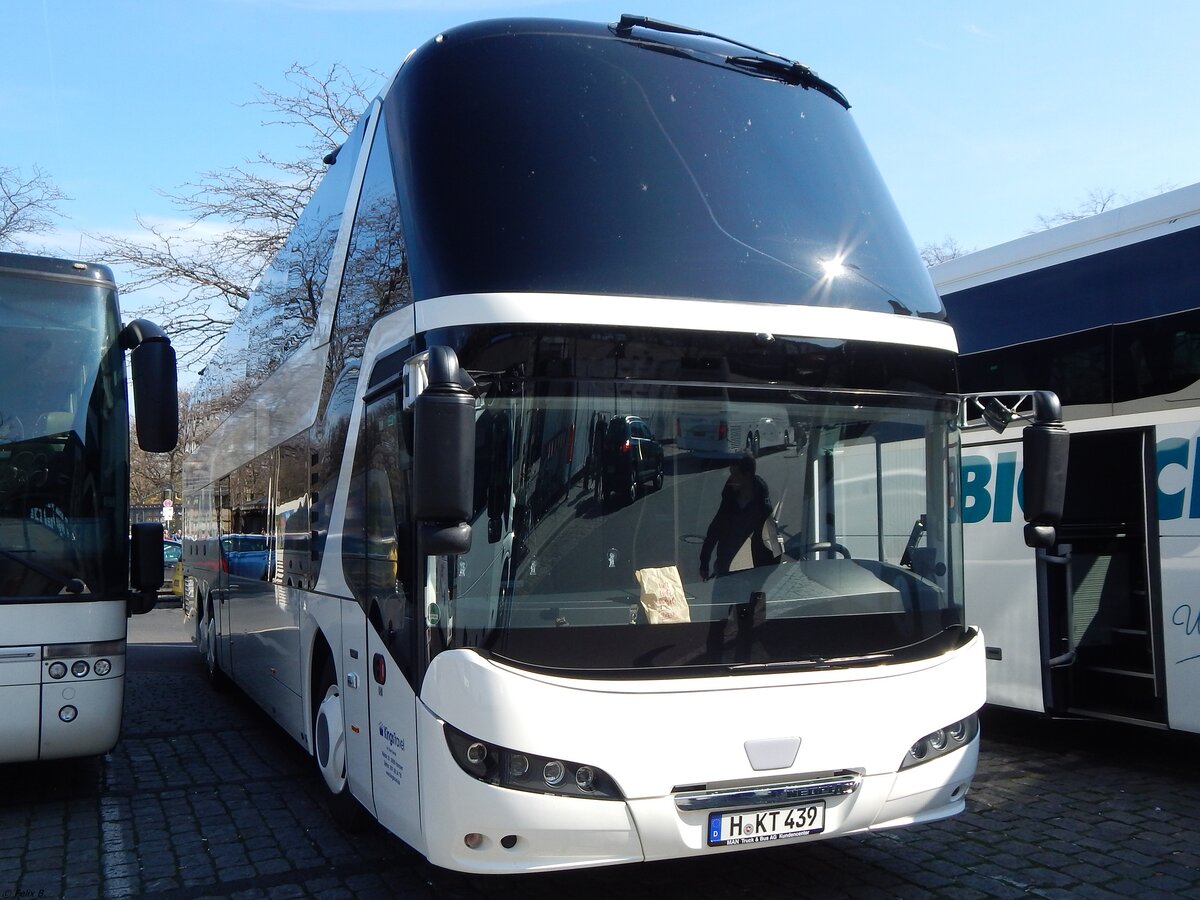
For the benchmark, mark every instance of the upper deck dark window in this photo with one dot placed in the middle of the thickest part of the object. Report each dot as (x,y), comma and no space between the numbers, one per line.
(583,163)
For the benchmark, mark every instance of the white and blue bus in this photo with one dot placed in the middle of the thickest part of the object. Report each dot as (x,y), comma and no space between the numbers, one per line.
(1104,311)
(531,232)
(66,546)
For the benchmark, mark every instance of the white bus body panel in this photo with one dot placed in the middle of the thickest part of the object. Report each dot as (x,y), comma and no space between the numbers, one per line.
(67,622)
(264,623)
(1181,630)
(655,737)
(98,724)
(1000,577)
(20,698)
(30,700)
(1179,553)
(393,770)
(812,322)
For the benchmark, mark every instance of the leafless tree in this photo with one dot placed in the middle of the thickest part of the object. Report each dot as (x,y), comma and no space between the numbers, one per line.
(236,219)
(1096,201)
(28,205)
(948,249)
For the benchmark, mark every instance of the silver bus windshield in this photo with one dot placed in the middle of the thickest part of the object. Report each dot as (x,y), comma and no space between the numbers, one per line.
(63,434)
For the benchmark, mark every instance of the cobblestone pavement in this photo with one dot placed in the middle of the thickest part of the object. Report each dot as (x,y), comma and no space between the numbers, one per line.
(205,797)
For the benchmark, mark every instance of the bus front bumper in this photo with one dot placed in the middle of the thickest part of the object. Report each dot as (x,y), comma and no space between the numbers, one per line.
(494,830)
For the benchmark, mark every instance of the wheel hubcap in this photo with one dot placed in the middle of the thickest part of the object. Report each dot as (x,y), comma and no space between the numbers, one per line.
(330,741)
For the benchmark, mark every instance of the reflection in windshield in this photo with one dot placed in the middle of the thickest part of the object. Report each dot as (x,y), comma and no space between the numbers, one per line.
(792,554)
(59,393)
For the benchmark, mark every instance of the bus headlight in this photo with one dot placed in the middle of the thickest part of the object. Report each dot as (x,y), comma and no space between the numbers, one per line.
(102,667)
(522,771)
(943,741)
(57,670)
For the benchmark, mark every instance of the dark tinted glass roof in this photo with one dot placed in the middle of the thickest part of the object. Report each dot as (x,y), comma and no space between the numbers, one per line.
(555,157)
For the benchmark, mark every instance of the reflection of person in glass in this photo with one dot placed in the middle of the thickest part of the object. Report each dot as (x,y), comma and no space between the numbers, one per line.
(744,511)
(592,471)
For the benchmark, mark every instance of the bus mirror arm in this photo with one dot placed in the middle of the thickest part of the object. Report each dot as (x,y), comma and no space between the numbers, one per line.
(1046,443)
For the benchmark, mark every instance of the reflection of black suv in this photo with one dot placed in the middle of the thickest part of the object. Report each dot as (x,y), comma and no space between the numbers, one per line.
(632,457)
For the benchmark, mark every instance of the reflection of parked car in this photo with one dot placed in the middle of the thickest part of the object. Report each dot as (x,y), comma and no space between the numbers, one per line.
(245,555)
(632,457)
(172,556)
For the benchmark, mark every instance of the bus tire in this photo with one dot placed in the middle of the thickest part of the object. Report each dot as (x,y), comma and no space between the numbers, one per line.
(206,639)
(329,749)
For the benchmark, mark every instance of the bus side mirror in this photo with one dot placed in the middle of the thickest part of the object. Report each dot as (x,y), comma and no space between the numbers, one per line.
(1046,443)
(155,385)
(145,565)
(444,456)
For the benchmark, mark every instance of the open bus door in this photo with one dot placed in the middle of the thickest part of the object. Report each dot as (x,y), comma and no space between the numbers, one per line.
(1099,592)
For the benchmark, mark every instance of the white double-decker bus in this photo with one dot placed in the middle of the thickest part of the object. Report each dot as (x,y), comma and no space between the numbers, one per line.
(533,230)
(65,543)
(1105,311)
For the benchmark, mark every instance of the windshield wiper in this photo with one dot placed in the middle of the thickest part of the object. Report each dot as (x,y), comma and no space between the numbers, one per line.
(763,62)
(812,662)
(789,72)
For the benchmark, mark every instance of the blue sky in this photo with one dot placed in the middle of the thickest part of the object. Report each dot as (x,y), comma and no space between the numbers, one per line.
(980,116)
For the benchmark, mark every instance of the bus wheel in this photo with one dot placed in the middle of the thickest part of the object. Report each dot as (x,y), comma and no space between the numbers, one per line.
(329,749)
(207,641)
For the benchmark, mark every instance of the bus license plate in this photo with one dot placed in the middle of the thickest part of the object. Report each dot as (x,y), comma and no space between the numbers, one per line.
(765,824)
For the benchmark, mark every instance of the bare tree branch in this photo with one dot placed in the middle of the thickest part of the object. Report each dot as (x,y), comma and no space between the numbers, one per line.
(237,219)
(948,249)
(28,205)
(1097,201)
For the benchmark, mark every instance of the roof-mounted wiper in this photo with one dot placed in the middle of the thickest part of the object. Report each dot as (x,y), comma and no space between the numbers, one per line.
(764,62)
(789,72)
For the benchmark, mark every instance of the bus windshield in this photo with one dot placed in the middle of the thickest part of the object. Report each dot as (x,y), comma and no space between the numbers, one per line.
(63,430)
(605,547)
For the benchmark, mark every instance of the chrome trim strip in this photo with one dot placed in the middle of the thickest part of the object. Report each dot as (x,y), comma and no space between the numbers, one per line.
(18,654)
(836,785)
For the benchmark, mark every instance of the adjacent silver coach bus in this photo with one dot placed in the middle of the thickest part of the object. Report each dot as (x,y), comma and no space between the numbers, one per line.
(65,542)
(531,236)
